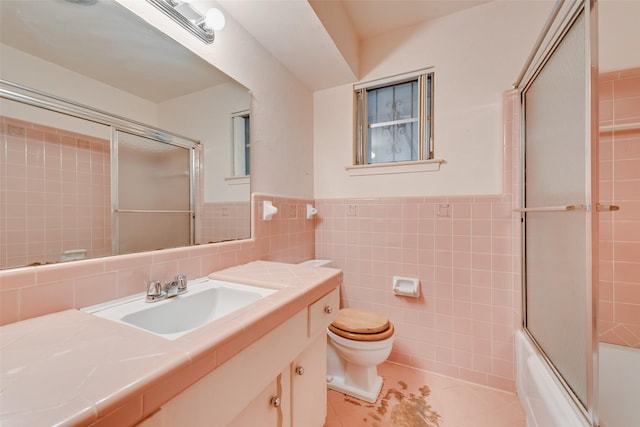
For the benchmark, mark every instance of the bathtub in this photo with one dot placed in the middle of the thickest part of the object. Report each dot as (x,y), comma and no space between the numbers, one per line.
(619,386)
(545,401)
(547,404)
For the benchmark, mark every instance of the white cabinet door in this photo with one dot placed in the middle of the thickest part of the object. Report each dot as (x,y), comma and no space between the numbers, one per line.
(309,385)
(271,408)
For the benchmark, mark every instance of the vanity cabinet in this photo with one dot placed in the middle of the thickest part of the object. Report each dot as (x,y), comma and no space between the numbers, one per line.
(269,408)
(309,385)
(279,380)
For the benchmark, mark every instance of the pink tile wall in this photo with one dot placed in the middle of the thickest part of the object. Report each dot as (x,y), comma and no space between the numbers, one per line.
(289,235)
(224,221)
(54,193)
(620,230)
(462,251)
(460,248)
(35,291)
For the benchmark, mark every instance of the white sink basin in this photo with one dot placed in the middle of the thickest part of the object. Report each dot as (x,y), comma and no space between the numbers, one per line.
(206,301)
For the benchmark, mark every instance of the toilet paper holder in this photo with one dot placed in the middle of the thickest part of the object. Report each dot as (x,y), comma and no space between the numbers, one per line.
(406,286)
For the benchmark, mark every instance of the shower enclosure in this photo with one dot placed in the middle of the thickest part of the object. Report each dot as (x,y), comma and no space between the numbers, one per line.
(113,186)
(559,200)
(578,354)
(151,195)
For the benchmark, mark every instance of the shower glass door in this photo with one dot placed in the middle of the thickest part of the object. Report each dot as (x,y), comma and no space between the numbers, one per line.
(152,194)
(558,212)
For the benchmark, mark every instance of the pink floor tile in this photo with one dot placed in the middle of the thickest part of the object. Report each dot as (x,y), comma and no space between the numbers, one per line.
(414,398)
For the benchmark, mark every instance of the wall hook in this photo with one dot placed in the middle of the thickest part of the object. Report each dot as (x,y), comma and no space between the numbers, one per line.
(311,211)
(268,210)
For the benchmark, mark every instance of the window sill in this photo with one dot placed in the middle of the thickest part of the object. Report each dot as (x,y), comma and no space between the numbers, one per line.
(238,180)
(397,167)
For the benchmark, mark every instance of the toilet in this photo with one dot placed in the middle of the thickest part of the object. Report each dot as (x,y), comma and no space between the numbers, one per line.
(357,342)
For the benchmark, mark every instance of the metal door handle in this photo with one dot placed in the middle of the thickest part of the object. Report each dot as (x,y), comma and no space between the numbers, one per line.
(607,208)
(552,208)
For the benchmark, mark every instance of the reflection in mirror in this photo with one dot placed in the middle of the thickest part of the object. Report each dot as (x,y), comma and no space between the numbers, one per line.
(56,186)
(241,127)
(152,192)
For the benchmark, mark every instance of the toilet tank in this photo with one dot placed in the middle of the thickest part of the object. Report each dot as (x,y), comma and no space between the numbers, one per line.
(317,263)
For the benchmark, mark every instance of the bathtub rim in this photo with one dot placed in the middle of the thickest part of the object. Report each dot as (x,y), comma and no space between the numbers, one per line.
(615,408)
(541,393)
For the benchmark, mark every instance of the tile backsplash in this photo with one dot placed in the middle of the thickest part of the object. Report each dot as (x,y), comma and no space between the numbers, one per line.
(55,194)
(34,291)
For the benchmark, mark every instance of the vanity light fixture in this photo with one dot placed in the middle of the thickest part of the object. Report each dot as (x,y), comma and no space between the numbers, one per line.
(201,26)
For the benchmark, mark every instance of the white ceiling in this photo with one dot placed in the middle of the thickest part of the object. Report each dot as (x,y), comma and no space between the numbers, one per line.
(108,43)
(153,66)
(374,17)
(293,32)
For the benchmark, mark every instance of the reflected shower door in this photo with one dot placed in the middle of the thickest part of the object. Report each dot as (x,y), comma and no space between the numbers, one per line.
(559,211)
(152,200)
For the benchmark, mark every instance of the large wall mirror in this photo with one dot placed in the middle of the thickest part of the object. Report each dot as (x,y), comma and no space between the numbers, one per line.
(57,183)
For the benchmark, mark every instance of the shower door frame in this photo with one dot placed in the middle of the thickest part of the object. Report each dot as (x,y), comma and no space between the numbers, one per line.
(162,137)
(36,98)
(539,59)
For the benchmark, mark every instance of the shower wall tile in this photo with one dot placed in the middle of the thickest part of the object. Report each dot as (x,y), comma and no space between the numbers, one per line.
(620,230)
(55,193)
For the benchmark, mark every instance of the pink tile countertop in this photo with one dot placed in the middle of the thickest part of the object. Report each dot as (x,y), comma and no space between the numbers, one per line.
(73,368)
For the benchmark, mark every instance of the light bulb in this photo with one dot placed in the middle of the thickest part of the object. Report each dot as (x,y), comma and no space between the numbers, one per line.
(214,19)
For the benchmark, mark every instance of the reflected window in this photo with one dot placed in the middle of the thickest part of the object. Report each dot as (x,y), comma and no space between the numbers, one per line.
(241,125)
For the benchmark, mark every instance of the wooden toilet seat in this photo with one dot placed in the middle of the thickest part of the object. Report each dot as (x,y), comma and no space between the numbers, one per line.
(361,325)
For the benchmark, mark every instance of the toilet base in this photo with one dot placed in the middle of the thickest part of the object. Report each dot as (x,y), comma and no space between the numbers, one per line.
(339,384)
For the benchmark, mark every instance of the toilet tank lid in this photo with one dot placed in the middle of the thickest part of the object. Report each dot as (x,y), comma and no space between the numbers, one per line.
(316,263)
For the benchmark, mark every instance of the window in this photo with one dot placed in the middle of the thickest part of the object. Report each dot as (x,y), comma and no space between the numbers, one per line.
(240,143)
(395,120)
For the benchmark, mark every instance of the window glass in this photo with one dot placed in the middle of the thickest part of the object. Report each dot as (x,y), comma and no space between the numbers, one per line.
(393,118)
(395,121)
(241,131)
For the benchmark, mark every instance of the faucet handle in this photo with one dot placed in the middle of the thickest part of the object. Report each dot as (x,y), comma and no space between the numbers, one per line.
(182,283)
(155,291)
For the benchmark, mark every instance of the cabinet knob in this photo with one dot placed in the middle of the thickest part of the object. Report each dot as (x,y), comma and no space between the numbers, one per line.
(300,370)
(275,401)
(328,309)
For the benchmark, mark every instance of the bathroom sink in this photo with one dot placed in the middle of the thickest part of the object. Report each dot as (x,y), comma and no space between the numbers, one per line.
(206,300)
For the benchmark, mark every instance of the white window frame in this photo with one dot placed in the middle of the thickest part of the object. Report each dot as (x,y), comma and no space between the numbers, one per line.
(239,144)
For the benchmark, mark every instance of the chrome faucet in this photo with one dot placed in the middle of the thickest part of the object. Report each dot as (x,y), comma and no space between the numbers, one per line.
(155,291)
(158,292)
(182,283)
(171,288)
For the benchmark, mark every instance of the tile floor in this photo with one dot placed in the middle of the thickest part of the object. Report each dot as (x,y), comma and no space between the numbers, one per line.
(414,398)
